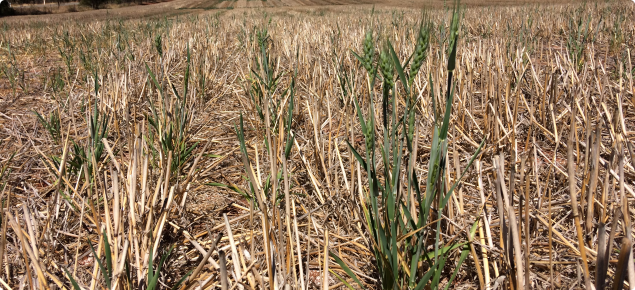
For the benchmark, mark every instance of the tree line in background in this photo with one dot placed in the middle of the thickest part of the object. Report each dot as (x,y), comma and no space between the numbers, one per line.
(5,8)
(87,2)
(91,3)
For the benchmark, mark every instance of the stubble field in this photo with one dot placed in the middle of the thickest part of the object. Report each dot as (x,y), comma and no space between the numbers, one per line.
(319,145)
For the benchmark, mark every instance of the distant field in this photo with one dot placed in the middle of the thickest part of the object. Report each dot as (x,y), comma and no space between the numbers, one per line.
(176,7)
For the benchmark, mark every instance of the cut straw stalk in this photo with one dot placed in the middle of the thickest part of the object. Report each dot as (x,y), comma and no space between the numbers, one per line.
(325,270)
(574,202)
(622,264)
(192,278)
(29,251)
(595,169)
(625,209)
(235,259)
(512,223)
(79,236)
(200,249)
(265,220)
(3,231)
(287,201)
(4,284)
(490,242)
(297,240)
(484,254)
(223,270)
(526,230)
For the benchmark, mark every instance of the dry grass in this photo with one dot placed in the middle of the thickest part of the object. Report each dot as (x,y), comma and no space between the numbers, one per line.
(561,126)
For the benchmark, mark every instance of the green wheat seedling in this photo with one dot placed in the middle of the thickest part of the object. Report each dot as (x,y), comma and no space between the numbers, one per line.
(400,229)
(277,121)
(617,36)
(265,80)
(98,131)
(263,87)
(93,152)
(579,35)
(268,103)
(51,124)
(111,275)
(66,48)
(171,122)
(5,171)
(57,82)
(14,74)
